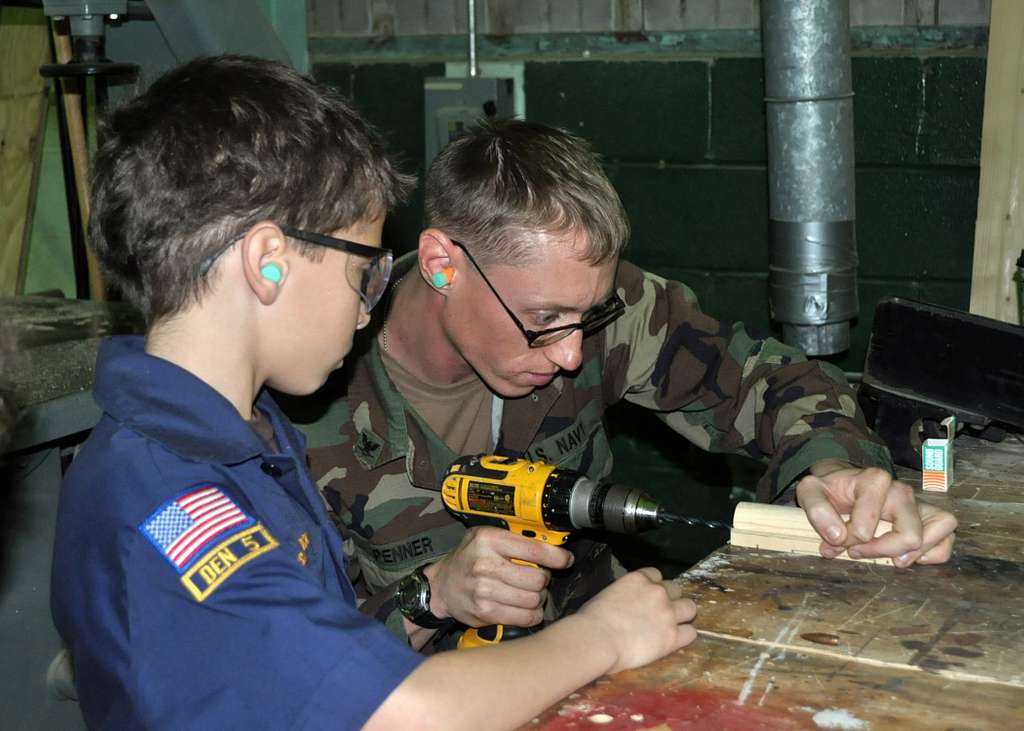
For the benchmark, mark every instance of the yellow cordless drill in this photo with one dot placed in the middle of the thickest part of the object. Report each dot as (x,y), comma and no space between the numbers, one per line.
(544,502)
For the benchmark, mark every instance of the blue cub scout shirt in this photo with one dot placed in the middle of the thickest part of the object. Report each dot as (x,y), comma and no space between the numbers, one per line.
(197,578)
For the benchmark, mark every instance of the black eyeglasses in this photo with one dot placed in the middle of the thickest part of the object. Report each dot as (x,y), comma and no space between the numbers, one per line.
(370,282)
(592,320)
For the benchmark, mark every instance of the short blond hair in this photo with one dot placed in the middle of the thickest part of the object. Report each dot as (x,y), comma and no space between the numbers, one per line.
(505,182)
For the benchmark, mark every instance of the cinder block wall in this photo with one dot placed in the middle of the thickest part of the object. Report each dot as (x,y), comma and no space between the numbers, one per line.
(685,146)
(670,94)
(676,111)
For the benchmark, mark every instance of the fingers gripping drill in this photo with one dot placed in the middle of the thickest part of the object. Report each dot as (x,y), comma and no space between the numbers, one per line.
(545,503)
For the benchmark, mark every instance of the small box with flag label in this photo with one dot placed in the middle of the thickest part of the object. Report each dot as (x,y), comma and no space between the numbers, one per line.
(937,459)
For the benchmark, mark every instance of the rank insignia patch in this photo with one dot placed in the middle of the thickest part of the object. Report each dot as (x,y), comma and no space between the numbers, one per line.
(368,448)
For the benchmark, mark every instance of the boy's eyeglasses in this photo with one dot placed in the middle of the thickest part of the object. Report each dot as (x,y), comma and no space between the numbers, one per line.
(592,320)
(370,281)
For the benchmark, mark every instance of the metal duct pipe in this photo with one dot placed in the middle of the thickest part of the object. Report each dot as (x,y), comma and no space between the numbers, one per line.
(471,22)
(812,281)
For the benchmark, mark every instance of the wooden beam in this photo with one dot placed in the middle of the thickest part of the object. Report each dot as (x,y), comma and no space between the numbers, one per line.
(23,101)
(999,235)
(80,160)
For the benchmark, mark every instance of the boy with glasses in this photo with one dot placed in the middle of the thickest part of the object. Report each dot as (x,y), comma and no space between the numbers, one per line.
(511,330)
(197,578)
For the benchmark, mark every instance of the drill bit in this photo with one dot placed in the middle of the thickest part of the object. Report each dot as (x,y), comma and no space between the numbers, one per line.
(664,516)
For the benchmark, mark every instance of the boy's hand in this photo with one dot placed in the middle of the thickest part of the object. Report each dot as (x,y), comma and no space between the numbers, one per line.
(921,533)
(478,584)
(643,617)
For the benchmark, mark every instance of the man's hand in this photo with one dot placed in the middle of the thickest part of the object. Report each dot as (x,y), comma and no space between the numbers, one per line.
(921,533)
(478,584)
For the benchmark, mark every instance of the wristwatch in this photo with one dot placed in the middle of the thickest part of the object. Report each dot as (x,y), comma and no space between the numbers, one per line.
(413,597)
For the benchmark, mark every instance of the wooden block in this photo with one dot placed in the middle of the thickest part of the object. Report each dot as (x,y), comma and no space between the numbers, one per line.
(782,528)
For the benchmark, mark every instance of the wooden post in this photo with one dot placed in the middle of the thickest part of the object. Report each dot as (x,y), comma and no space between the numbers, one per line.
(23,102)
(80,160)
(999,235)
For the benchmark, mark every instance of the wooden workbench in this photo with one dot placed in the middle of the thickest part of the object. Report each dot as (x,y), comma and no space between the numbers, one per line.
(930,647)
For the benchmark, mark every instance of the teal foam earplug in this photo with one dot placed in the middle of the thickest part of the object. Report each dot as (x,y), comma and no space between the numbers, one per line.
(271,272)
(440,279)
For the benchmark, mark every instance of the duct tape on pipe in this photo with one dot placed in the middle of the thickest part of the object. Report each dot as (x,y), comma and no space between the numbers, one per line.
(798,99)
(813,246)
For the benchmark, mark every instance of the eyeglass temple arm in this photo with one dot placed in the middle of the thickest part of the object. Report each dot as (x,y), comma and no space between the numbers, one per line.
(490,286)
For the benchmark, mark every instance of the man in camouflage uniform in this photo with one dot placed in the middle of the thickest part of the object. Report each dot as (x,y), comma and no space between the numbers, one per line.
(524,236)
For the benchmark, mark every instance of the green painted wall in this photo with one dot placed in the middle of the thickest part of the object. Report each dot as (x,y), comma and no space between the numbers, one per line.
(289,20)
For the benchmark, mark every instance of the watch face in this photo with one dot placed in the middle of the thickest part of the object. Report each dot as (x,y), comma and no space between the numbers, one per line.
(410,595)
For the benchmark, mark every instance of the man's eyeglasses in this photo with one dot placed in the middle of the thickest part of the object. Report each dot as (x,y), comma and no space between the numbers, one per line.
(592,319)
(370,281)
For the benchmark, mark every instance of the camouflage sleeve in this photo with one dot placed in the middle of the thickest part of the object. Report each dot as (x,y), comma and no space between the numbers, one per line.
(727,391)
(381,605)
(329,463)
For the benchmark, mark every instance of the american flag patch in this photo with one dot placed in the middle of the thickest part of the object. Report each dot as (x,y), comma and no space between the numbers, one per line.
(182,527)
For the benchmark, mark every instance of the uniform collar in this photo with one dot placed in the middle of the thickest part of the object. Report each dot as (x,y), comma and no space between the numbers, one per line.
(169,405)
(376,448)
(407,432)
(404,425)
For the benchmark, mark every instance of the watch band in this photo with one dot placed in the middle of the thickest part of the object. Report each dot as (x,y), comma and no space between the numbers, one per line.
(413,597)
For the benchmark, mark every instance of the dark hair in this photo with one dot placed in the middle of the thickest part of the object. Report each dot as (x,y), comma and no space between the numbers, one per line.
(506,181)
(213,147)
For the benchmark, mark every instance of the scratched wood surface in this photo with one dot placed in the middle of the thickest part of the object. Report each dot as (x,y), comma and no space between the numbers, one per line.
(792,641)
(721,684)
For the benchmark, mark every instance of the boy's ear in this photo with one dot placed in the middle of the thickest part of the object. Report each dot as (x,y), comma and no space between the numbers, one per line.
(437,256)
(264,262)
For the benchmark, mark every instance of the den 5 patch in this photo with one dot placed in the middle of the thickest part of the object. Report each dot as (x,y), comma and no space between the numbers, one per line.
(206,537)
(216,565)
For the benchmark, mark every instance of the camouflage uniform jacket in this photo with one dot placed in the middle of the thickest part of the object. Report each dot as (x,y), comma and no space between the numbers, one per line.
(709,381)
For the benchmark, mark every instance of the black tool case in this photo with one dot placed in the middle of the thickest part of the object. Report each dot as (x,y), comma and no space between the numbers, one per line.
(927,362)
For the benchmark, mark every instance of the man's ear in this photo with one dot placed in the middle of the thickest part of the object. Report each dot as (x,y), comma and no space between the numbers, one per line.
(437,255)
(264,262)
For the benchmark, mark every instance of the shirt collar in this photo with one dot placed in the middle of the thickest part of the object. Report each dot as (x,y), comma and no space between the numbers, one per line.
(395,405)
(169,405)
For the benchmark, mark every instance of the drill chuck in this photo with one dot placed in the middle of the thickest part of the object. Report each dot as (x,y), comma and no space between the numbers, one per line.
(612,507)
